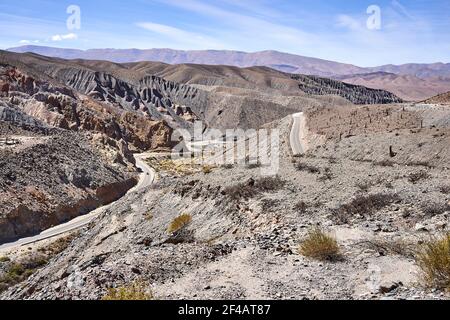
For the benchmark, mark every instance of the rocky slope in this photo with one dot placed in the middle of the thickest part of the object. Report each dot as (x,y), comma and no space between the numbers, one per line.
(50,175)
(98,101)
(439,99)
(251,97)
(66,134)
(412,82)
(173,97)
(242,242)
(374,176)
(262,78)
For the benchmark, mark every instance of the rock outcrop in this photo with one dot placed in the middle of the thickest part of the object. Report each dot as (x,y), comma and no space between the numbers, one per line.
(51,175)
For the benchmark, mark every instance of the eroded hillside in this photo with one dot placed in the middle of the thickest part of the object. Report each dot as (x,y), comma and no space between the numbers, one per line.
(240,238)
(374,178)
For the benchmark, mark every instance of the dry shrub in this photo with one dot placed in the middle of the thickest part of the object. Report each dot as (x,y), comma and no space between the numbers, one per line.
(364,206)
(135,292)
(418,176)
(432,209)
(327,175)
(254,165)
(252,187)
(300,166)
(445,189)
(179,223)
(17,271)
(269,183)
(38,195)
(301,206)
(320,246)
(434,261)
(397,247)
(364,185)
(148,216)
(384,163)
(207,169)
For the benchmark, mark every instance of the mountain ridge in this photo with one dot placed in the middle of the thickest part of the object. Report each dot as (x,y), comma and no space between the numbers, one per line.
(186,56)
(411,81)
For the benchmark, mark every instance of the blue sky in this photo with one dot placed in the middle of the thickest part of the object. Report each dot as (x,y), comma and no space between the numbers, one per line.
(410,30)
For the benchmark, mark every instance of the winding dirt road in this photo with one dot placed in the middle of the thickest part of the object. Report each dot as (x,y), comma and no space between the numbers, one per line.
(298,141)
(147,177)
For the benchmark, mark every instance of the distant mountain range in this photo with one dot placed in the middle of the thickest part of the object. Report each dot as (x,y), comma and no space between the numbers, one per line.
(409,87)
(409,81)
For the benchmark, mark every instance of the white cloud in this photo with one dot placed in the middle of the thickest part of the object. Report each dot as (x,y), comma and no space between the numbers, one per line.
(163,29)
(24,41)
(348,22)
(183,37)
(251,29)
(61,37)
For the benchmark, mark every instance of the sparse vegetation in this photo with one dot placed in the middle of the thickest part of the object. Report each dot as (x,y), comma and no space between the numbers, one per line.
(332,160)
(398,247)
(327,175)
(432,209)
(384,163)
(252,187)
(418,176)
(254,165)
(58,245)
(320,246)
(207,169)
(148,216)
(421,164)
(181,167)
(301,206)
(269,183)
(369,183)
(434,261)
(445,189)
(135,292)
(269,204)
(179,223)
(364,206)
(19,270)
(300,166)
(364,185)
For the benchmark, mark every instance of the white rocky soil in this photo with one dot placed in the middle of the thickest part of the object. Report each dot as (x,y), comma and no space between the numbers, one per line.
(379,208)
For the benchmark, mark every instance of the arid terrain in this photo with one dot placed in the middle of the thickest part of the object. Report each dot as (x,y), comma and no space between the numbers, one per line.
(372,179)
(411,82)
(409,87)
